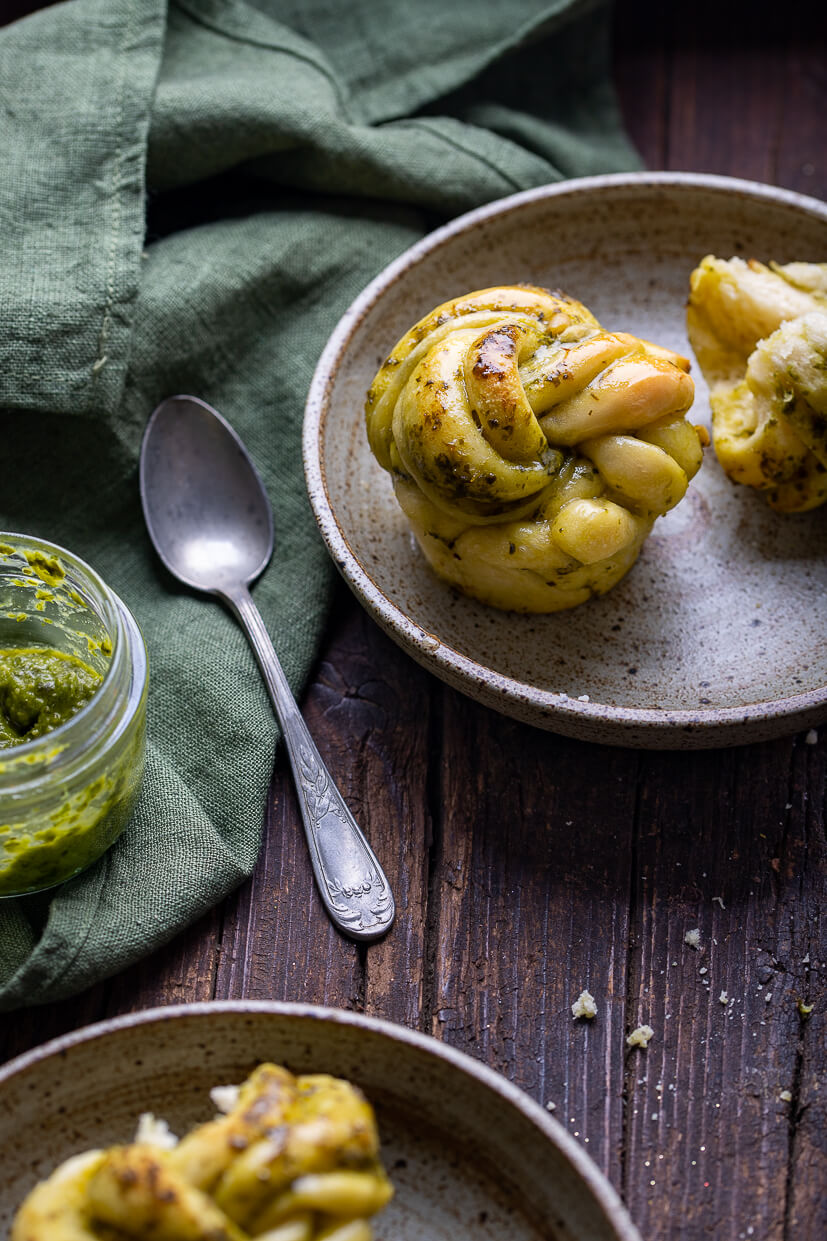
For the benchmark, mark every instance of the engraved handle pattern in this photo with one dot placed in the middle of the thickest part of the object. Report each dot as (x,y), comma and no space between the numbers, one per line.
(352,884)
(356,887)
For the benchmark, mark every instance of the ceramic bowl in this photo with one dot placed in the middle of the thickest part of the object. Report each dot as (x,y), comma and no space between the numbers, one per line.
(716,636)
(470,1155)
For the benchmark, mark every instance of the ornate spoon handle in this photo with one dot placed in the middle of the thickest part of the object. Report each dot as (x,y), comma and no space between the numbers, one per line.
(352,884)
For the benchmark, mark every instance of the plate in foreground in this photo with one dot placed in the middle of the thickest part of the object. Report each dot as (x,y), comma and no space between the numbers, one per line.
(469,1154)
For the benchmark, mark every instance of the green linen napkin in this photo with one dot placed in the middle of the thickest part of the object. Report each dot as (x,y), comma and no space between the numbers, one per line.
(192,194)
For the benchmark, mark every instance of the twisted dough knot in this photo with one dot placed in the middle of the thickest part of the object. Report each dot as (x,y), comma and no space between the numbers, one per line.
(295,1159)
(760,336)
(530,449)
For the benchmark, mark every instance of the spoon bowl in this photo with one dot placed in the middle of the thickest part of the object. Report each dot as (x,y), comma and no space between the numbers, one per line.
(211,524)
(205,506)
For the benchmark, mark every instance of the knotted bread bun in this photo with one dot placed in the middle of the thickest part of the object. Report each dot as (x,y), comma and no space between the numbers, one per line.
(292,1159)
(530,449)
(760,336)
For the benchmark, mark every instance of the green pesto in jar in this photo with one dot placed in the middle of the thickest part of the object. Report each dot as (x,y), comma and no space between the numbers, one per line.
(69,777)
(40,688)
(48,568)
(72,837)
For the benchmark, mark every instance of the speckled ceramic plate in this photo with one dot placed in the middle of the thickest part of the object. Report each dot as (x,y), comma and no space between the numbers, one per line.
(469,1154)
(717,636)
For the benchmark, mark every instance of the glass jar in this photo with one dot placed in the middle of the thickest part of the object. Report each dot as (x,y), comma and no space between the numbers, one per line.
(66,796)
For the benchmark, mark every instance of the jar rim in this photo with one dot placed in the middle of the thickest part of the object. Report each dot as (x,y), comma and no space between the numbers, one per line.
(69,744)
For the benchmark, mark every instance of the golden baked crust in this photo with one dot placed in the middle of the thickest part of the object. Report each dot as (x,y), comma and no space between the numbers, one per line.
(760,336)
(530,449)
(293,1159)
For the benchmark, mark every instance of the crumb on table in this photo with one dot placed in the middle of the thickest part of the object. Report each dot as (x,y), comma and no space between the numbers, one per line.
(584,1006)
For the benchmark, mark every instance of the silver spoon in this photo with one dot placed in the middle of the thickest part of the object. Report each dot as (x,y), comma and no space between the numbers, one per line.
(211,524)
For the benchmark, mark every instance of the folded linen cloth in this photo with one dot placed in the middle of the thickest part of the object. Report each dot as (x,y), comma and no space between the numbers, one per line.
(192,195)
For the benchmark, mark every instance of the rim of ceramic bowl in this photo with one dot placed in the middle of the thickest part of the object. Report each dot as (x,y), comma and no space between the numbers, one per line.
(595,1183)
(671,727)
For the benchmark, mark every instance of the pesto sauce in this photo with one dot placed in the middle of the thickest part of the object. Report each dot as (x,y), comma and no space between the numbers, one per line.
(70,839)
(40,688)
(63,822)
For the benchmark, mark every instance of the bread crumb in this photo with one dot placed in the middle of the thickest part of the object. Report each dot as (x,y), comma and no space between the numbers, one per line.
(811,738)
(785,1096)
(640,1037)
(155,1132)
(583,698)
(551,1107)
(224,1098)
(723,998)
(693,938)
(584,1006)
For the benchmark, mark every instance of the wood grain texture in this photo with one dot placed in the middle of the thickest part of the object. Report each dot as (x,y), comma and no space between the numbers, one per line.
(527,867)
(532,876)
(732,88)
(725,1120)
(706,1106)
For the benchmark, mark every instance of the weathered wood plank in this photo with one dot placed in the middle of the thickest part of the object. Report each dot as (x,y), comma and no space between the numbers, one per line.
(532,880)
(277,941)
(642,61)
(368,709)
(708,1130)
(801,153)
(803,871)
(710,1144)
(384,733)
(21,1031)
(725,108)
(180,973)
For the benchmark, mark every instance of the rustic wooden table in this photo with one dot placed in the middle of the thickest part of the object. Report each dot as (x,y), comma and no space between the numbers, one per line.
(528,866)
